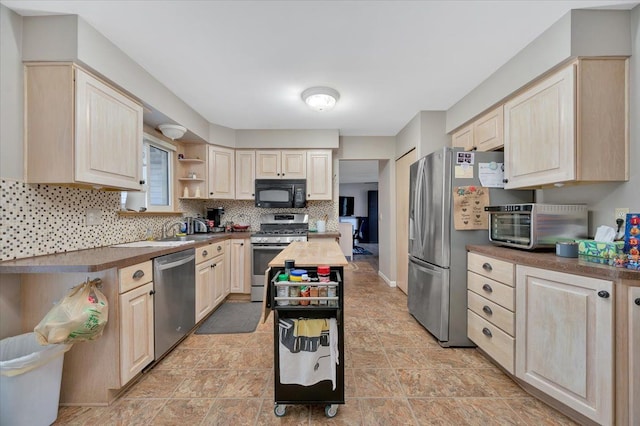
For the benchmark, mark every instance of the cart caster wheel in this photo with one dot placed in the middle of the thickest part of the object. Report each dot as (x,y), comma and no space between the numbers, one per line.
(280,410)
(331,410)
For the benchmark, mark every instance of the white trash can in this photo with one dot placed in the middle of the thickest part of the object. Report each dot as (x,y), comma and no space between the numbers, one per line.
(30,377)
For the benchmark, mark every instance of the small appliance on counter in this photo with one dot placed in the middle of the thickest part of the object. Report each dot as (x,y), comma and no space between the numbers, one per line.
(533,225)
(213,216)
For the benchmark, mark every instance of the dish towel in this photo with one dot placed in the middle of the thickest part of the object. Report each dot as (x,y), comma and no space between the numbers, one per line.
(307,358)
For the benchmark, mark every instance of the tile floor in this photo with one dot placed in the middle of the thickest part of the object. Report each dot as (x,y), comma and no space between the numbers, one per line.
(395,374)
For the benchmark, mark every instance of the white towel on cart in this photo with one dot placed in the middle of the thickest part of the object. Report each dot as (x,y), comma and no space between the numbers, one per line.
(308,368)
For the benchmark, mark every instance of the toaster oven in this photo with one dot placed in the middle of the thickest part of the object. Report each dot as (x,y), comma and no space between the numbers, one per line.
(533,225)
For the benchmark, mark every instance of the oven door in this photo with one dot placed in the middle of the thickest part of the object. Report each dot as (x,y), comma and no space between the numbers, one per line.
(261,255)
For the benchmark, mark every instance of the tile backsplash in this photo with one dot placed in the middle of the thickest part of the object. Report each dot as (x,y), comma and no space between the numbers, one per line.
(45,219)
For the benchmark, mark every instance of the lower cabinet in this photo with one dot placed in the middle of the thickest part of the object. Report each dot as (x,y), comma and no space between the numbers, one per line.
(136,319)
(239,268)
(209,285)
(634,355)
(564,345)
(136,331)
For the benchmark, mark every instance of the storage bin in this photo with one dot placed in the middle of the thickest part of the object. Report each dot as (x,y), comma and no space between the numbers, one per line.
(30,377)
(599,249)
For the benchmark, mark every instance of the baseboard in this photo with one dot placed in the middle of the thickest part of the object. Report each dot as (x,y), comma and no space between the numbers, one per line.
(389,282)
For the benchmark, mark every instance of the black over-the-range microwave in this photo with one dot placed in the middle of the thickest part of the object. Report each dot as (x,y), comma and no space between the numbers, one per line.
(281,193)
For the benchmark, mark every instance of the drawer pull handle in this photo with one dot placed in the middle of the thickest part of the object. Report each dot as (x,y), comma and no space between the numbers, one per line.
(219,248)
(487,288)
(487,267)
(205,253)
(637,301)
(152,292)
(138,274)
(487,332)
(604,294)
(487,310)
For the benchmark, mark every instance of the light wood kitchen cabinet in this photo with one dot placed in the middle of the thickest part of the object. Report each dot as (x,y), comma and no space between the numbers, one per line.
(221,175)
(80,130)
(240,267)
(136,319)
(491,307)
(204,289)
(570,127)
(484,134)
(210,278)
(634,355)
(245,175)
(564,348)
(319,175)
(192,172)
(280,164)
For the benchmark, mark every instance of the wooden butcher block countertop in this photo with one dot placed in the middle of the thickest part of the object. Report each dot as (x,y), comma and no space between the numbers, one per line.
(311,253)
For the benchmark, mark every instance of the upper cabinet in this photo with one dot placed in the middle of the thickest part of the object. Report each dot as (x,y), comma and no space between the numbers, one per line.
(245,175)
(570,127)
(319,175)
(277,164)
(192,171)
(484,134)
(221,173)
(79,130)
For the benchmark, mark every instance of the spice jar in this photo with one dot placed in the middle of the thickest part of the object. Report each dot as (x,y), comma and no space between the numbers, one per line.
(295,276)
(283,291)
(304,292)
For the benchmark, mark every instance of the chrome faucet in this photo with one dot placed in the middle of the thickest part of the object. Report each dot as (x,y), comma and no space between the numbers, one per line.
(201,222)
(170,224)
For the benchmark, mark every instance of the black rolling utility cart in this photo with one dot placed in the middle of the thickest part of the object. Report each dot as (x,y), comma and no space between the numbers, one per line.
(308,340)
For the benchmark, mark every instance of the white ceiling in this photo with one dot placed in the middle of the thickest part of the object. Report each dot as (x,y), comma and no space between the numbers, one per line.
(243,64)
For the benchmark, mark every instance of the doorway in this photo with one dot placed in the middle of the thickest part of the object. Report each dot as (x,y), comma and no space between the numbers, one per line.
(358,192)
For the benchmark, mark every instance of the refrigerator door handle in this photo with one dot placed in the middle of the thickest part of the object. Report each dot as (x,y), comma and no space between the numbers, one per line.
(418,206)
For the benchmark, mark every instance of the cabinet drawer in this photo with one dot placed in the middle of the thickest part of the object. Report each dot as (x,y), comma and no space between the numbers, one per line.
(496,292)
(209,251)
(498,270)
(495,342)
(135,275)
(492,312)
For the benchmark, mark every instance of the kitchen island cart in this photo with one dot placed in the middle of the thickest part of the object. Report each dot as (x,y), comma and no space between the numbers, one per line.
(291,309)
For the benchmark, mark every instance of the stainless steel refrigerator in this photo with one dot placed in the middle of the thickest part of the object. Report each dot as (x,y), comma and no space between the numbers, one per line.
(437,281)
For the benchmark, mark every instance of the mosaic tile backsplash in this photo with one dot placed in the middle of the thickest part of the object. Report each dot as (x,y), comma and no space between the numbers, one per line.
(46,219)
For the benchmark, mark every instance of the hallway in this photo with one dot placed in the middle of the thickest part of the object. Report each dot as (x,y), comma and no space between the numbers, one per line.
(395,373)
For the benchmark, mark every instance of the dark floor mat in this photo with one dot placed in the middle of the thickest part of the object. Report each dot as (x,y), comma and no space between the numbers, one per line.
(360,250)
(232,317)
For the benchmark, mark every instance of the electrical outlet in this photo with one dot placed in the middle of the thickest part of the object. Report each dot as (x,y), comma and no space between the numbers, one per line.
(93,217)
(621,213)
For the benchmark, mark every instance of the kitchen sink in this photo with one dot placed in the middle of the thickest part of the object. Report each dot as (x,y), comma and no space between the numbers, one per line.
(192,237)
(164,243)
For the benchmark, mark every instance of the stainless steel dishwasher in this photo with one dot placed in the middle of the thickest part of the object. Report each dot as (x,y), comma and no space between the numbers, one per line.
(174,299)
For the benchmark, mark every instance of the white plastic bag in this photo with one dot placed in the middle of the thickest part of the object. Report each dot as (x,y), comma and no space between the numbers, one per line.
(81,315)
(21,354)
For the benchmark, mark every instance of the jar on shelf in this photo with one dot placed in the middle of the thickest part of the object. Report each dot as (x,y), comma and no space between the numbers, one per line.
(283,291)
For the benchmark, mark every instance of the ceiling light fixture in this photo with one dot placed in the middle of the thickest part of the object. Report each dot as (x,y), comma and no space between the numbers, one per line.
(320,98)
(172,131)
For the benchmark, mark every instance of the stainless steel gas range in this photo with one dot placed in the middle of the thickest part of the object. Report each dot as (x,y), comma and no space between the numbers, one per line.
(277,230)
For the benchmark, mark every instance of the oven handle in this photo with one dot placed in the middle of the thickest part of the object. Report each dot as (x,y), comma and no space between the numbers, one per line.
(268,246)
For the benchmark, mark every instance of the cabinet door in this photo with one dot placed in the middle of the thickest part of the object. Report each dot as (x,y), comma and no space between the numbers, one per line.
(245,175)
(634,355)
(136,331)
(294,164)
(108,135)
(319,175)
(219,275)
(564,339)
(463,138)
(221,174)
(268,164)
(488,130)
(204,289)
(237,269)
(539,133)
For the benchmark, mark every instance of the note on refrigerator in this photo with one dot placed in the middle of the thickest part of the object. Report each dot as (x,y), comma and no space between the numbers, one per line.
(491,174)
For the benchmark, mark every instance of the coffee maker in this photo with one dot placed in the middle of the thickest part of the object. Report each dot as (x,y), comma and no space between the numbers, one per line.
(215,214)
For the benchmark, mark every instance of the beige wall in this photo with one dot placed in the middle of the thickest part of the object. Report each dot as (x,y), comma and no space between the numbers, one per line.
(409,137)
(578,33)
(11,106)
(287,138)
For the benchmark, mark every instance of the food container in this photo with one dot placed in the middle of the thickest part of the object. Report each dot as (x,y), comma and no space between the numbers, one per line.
(567,249)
